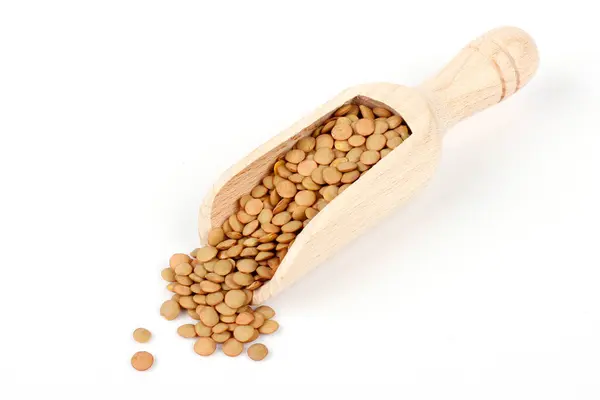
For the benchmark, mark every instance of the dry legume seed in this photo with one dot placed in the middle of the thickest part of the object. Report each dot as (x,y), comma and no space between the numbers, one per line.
(366,112)
(233,235)
(142,360)
(341,131)
(212,299)
(205,346)
(346,166)
(230,282)
(266,311)
(244,199)
(220,327)
(258,191)
(183,280)
(248,295)
(170,309)
(232,347)
(381,112)
(328,126)
(364,127)
(228,319)
(394,142)
(235,298)
(258,351)
(265,272)
(380,127)
(343,110)
(196,288)
(281,205)
(391,134)
(281,219)
(329,193)
(291,226)
(402,131)
(209,266)
(285,237)
(235,224)
(259,320)
(268,327)
(209,316)
(342,145)
(141,335)
(306,167)
(244,279)
(331,175)
(187,302)
(266,246)
(222,268)
(186,331)
(203,330)
(254,337)
(243,333)
(206,254)
(221,337)
(177,259)
(200,271)
(193,314)
(356,140)
(354,154)
(299,214)
(182,290)
(338,161)
(253,207)
(246,265)
(244,318)
(306,144)
(286,189)
(224,309)
(394,121)
(295,156)
(244,218)
(324,156)
(376,142)
(168,274)
(183,269)
(209,287)
(369,157)
(305,198)
(343,120)
(317,175)
(311,213)
(324,141)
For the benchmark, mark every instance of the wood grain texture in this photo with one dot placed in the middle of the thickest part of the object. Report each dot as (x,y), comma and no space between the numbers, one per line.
(487,71)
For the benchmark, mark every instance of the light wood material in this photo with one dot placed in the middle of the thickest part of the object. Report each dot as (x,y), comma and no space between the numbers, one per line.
(488,70)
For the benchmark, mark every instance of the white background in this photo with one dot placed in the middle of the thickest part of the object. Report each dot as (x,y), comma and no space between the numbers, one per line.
(116,116)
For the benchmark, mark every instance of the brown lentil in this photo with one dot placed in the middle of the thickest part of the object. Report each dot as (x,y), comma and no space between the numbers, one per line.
(257,351)
(141,335)
(142,360)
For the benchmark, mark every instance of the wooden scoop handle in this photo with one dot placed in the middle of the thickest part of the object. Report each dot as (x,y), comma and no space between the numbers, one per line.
(488,70)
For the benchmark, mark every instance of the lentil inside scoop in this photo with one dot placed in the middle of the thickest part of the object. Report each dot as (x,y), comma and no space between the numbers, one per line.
(214,284)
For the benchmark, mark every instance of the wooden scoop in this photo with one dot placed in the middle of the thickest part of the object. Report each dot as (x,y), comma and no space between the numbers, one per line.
(488,70)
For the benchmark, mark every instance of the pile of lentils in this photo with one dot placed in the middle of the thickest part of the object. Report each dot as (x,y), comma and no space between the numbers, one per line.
(214,284)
